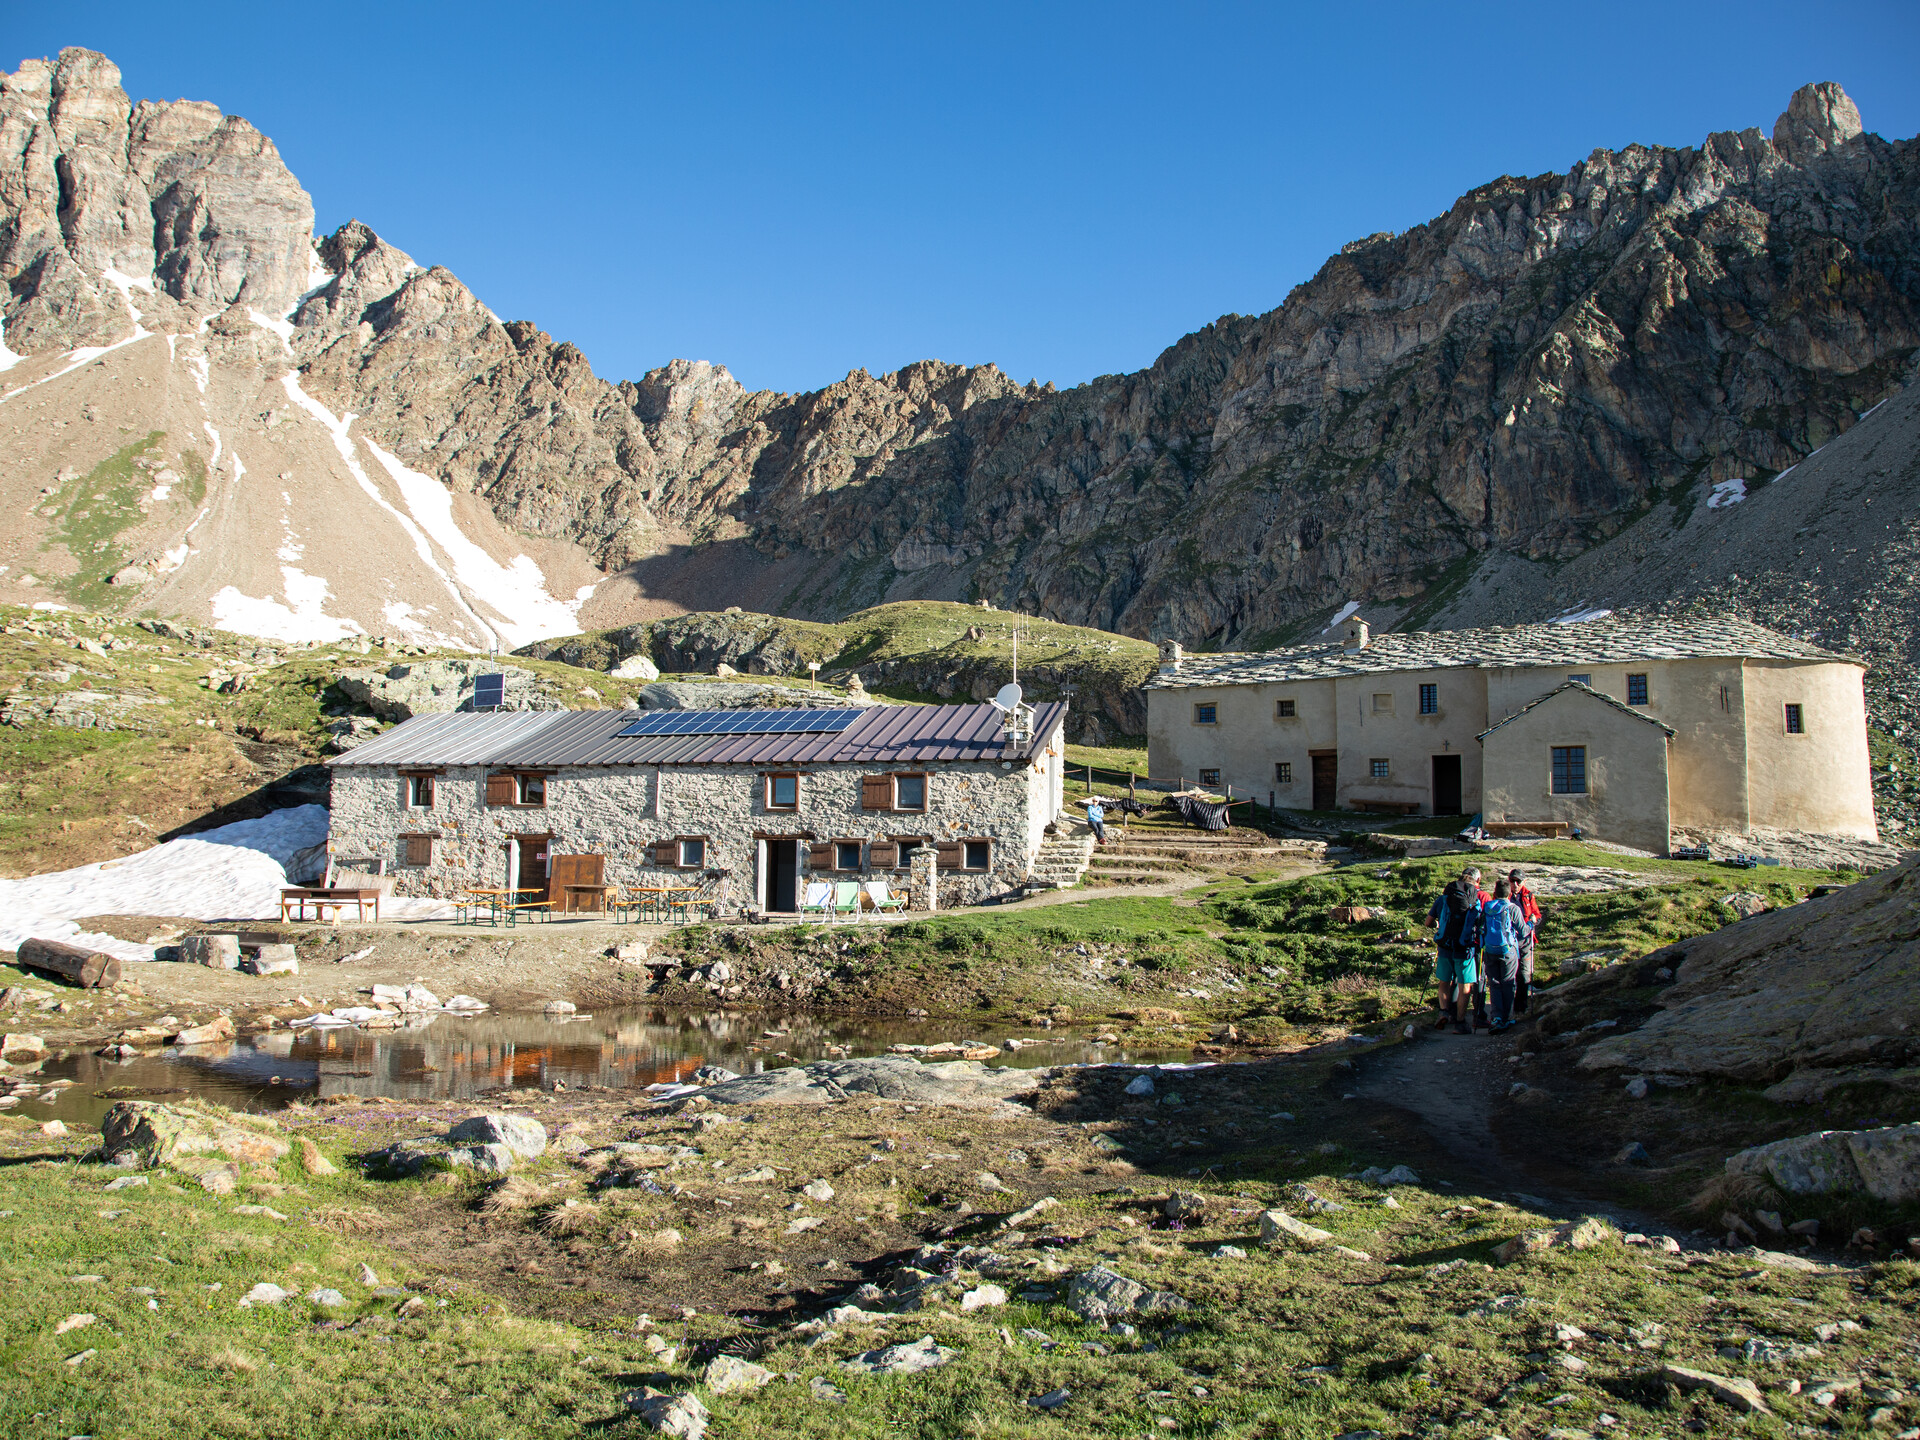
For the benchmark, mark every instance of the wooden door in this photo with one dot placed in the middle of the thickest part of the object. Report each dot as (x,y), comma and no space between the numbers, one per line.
(1326,776)
(532,867)
(1446,784)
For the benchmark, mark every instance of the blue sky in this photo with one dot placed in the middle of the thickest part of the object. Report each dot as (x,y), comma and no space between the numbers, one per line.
(795,191)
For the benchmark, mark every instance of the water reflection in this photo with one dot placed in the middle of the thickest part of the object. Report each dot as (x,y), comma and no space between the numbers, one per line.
(436,1057)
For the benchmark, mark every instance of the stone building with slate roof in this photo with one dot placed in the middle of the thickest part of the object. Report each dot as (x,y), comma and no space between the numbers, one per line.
(1625,726)
(768,798)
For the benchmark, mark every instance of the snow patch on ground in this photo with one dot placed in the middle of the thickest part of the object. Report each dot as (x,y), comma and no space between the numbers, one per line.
(7,358)
(282,328)
(197,367)
(337,428)
(1577,616)
(516,592)
(301,617)
(233,873)
(85,355)
(1727,492)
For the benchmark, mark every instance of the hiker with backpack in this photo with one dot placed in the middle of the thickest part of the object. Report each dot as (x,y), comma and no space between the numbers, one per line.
(1502,926)
(1530,912)
(1455,919)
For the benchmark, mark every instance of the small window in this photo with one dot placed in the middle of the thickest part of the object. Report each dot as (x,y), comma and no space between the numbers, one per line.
(1383,703)
(1284,710)
(1209,777)
(1205,715)
(1380,769)
(907,847)
(1586,679)
(1636,689)
(846,855)
(693,853)
(1796,723)
(909,792)
(533,789)
(1429,699)
(978,853)
(419,849)
(1283,772)
(419,792)
(1726,699)
(1569,769)
(783,792)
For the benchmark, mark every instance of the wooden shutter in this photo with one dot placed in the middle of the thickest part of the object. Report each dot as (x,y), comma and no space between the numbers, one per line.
(419,849)
(666,852)
(883,855)
(501,791)
(876,792)
(820,857)
(949,854)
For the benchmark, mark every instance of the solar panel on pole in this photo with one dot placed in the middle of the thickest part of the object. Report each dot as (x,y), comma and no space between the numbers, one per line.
(489,692)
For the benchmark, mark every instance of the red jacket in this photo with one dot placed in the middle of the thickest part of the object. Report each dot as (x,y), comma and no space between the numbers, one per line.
(1529,907)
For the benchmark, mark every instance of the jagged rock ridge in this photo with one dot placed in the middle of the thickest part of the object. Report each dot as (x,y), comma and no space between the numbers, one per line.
(1524,375)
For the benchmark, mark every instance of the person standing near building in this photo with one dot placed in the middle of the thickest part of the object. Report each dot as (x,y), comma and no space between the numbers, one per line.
(1501,928)
(1530,912)
(1454,918)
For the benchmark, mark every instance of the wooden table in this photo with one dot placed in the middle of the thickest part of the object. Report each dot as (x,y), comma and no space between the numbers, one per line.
(322,899)
(573,893)
(659,897)
(495,903)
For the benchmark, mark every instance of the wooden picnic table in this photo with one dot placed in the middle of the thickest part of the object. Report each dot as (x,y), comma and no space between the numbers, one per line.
(494,900)
(658,897)
(596,892)
(324,898)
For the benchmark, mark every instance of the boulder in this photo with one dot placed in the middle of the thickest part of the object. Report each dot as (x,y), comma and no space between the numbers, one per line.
(1737,1391)
(910,1359)
(1277,1226)
(964,1083)
(1883,1163)
(725,1374)
(272,960)
(414,1157)
(430,687)
(1103,1294)
(216,952)
(682,1416)
(23,1049)
(525,1137)
(1583,1234)
(215,1030)
(635,667)
(144,1134)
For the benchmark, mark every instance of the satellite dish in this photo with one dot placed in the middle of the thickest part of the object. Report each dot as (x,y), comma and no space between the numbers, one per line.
(1008,697)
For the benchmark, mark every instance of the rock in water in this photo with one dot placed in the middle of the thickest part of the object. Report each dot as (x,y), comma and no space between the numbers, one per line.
(526,1138)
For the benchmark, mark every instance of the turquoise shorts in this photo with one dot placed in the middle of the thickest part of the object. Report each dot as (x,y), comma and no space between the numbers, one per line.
(1455,969)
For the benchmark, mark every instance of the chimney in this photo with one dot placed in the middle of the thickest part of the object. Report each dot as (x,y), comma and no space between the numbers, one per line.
(1170,657)
(1357,635)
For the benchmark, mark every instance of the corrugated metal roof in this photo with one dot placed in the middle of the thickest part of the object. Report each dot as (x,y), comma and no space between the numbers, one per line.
(883,734)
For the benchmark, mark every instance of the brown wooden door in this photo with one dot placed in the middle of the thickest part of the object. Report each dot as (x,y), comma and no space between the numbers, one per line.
(1326,776)
(533,863)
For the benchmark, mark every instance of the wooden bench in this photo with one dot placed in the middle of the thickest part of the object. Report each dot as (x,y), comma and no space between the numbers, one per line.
(324,899)
(529,908)
(1388,807)
(1558,829)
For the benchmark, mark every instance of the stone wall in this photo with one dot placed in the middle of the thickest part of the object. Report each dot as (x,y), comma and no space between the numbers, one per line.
(619,812)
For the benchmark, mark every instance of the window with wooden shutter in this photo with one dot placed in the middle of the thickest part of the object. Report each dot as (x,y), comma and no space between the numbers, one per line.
(666,852)
(419,849)
(502,790)
(949,854)
(876,792)
(883,854)
(820,857)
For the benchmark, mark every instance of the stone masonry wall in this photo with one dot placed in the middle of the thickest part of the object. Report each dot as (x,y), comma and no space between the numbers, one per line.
(619,812)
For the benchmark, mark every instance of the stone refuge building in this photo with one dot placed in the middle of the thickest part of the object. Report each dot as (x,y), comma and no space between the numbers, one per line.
(1625,726)
(767,798)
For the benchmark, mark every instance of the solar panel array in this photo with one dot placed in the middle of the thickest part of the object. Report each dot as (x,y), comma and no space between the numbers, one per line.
(489,692)
(742,722)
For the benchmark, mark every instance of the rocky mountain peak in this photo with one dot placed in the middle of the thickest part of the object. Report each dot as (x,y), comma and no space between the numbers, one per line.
(1819,118)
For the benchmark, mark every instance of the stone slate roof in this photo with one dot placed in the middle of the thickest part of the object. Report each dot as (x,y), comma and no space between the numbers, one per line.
(1604,699)
(1612,641)
(880,735)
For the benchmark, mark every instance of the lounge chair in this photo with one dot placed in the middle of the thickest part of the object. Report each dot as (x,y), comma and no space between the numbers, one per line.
(846,898)
(818,899)
(879,897)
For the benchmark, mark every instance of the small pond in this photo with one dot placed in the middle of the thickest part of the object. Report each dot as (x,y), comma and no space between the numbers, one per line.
(454,1057)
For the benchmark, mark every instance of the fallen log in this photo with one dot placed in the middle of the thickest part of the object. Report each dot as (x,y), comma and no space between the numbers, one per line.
(92,969)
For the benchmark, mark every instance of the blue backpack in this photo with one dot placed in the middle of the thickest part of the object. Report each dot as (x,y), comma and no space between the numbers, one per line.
(1498,934)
